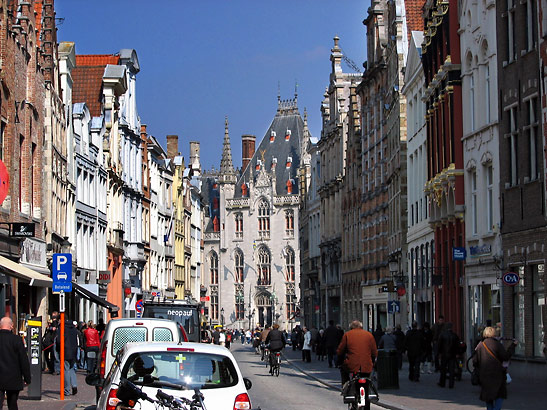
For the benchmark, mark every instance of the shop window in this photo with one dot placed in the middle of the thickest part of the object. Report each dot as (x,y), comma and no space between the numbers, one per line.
(518,311)
(540,309)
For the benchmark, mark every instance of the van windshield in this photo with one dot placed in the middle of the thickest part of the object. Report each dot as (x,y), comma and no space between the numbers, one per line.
(187,316)
(180,370)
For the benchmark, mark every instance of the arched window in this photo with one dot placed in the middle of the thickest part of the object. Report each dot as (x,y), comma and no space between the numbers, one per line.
(239,259)
(264,218)
(239,225)
(214,268)
(289,223)
(289,265)
(264,267)
(239,301)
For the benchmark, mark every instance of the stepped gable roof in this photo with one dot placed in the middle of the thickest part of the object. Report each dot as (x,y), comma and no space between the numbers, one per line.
(286,118)
(88,79)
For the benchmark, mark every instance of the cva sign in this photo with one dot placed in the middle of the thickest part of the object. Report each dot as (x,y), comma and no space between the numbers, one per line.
(511,278)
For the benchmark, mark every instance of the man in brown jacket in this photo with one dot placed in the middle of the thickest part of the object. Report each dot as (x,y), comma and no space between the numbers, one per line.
(359,348)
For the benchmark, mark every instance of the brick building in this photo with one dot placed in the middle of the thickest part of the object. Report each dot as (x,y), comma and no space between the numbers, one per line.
(22,114)
(445,185)
(522,183)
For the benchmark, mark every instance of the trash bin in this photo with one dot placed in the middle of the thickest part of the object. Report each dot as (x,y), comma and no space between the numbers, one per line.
(387,367)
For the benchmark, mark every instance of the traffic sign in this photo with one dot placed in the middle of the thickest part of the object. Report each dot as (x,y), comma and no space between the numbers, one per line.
(62,272)
(393,306)
(138,305)
(511,278)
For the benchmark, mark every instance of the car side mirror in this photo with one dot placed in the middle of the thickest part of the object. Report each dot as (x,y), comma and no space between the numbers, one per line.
(248,383)
(94,379)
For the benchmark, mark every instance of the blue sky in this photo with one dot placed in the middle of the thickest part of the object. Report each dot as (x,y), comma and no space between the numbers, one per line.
(203,60)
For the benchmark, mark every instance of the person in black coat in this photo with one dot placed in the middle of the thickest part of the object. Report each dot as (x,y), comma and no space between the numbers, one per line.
(331,341)
(14,364)
(448,348)
(414,344)
(216,337)
(71,356)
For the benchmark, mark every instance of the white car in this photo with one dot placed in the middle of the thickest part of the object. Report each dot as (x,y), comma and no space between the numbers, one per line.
(177,369)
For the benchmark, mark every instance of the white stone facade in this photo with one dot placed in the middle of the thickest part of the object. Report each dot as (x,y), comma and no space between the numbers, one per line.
(481,162)
(419,235)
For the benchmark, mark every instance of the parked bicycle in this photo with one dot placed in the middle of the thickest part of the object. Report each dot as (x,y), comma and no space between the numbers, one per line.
(275,363)
(129,395)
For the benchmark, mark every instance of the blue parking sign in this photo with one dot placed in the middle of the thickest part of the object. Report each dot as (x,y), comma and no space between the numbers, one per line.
(62,272)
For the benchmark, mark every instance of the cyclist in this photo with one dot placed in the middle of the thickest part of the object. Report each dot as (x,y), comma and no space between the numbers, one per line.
(263,337)
(275,342)
(360,351)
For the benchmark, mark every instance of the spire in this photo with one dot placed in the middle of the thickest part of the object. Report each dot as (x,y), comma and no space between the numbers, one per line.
(226,166)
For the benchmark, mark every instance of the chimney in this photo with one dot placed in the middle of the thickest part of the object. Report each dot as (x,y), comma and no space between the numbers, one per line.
(194,156)
(248,151)
(172,146)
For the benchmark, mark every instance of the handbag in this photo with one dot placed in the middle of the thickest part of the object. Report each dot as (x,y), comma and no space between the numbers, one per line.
(475,377)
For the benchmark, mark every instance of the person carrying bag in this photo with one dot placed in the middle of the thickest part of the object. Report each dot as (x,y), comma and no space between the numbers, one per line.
(489,358)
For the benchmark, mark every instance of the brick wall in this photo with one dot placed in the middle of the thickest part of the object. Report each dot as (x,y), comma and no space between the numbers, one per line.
(22,109)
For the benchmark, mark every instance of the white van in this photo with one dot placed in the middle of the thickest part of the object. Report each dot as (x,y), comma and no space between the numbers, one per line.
(118,332)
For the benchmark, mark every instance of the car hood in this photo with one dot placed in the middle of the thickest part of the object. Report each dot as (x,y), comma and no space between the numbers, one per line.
(217,399)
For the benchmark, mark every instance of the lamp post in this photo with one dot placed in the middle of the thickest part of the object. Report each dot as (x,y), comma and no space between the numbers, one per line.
(222,317)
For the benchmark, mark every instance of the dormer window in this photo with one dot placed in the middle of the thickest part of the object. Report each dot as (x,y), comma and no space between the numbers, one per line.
(288,135)
(258,164)
(274,163)
(289,162)
(272,136)
(244,189)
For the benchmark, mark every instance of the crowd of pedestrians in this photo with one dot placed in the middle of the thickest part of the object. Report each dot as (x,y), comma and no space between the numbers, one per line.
(81,348)
(428,349)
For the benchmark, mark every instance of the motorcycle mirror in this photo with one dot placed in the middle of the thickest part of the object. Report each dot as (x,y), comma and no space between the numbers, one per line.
(94,379)
(248,383)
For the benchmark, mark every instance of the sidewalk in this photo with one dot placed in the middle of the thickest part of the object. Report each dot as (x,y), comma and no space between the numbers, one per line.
(51,391)
(426,395)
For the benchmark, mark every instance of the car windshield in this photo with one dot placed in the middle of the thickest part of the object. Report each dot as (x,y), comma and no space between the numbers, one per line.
(180,370)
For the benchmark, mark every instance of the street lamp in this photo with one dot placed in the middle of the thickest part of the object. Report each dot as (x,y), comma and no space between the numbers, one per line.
(222,317)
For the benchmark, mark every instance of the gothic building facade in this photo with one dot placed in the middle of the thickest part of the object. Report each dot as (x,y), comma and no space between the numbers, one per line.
(251,259)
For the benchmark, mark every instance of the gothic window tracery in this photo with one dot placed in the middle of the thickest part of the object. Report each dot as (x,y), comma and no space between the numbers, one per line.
(263,218)
(264,267)
(214,268)
(239,264)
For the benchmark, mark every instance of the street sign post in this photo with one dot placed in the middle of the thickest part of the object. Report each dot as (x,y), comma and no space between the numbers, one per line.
(394,306)
(62,272)
(139,307)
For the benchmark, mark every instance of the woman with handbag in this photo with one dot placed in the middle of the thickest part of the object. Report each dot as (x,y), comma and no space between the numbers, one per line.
(489,358)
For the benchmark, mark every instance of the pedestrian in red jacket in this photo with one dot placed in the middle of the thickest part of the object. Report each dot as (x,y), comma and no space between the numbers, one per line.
(92,342)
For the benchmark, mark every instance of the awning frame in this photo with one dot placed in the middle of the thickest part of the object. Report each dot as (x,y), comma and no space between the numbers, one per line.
(21,272)
(86,294)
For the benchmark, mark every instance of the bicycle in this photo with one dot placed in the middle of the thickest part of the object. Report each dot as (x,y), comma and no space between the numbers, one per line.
(354,391)
(129,395)
(275,363)
(265,354)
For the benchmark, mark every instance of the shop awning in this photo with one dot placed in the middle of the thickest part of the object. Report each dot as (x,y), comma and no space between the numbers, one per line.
(21,272)
(86,294)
